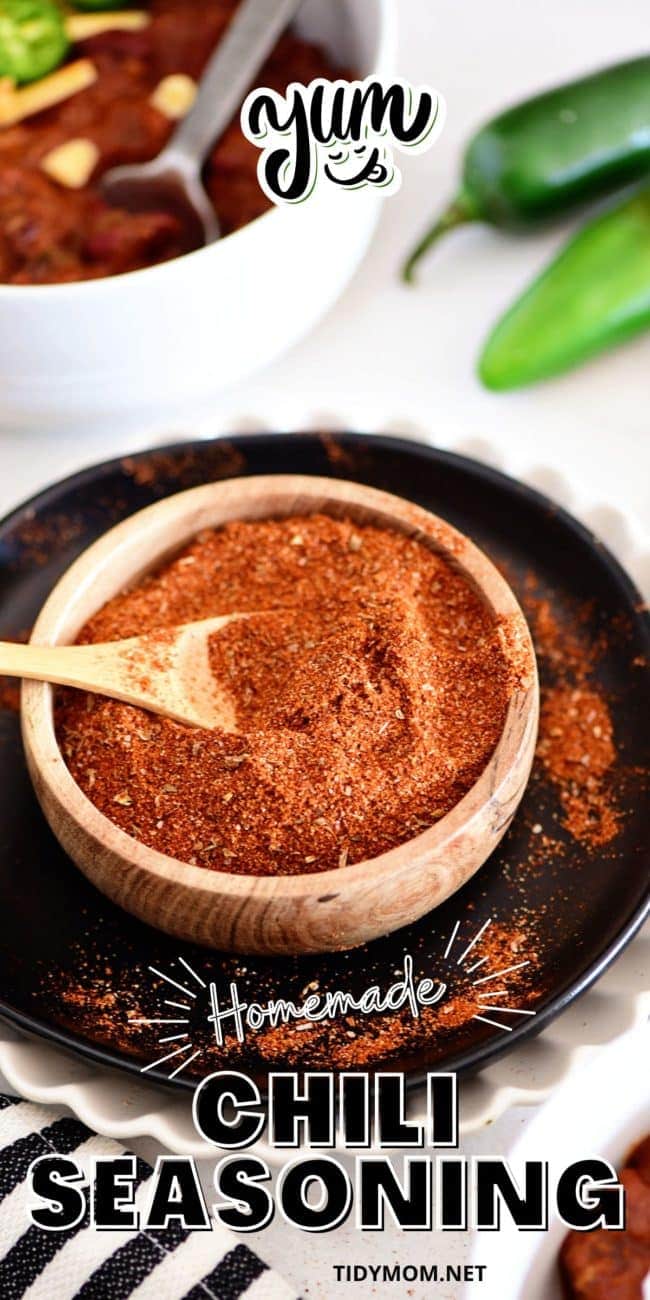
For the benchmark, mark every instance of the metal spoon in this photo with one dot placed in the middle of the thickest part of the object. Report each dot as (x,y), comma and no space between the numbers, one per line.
(166,672)
(172,181)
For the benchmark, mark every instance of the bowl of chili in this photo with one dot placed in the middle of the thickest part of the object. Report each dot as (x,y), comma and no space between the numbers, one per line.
(107,314)
(387,713)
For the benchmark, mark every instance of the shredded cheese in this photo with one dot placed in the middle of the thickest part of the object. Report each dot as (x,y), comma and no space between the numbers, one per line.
(66,81)
(174,95)
(71,164)
(80,27)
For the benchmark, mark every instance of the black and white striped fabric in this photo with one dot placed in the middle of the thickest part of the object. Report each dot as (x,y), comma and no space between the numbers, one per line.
(83,1264)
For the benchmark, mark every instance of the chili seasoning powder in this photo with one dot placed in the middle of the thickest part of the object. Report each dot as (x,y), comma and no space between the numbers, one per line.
(369,696)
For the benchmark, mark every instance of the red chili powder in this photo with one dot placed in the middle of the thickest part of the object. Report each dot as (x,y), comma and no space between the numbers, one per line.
(576,734)
(367,704)
(579,723)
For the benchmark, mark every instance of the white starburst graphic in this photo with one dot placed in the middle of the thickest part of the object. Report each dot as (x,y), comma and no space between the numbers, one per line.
(490,994)
(461,957)
(182,1036)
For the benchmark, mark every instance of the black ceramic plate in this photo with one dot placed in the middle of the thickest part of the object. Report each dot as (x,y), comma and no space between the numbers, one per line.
(76,969)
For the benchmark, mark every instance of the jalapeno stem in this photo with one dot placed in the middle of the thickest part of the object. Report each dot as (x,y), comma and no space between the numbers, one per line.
(457,214)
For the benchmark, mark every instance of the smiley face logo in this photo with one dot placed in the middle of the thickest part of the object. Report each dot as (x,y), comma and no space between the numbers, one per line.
(345,132)
(365,164)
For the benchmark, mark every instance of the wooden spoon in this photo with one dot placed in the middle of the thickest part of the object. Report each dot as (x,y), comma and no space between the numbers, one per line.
(167,672)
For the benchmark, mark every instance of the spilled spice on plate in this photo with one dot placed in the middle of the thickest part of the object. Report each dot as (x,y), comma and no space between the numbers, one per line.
(9,696)
(357,1041)
(576,743)
(10,686)
(577,750)
(369,695)
(118,1008)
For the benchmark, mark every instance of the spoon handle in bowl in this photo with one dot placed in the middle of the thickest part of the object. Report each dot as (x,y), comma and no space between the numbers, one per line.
(82,666)
(248,41)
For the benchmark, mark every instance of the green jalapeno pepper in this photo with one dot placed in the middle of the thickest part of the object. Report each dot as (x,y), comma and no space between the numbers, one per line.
(594,295)
(554,151)
(32,38)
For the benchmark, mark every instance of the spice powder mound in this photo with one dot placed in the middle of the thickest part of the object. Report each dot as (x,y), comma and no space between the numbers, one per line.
(576,743)
(369,696)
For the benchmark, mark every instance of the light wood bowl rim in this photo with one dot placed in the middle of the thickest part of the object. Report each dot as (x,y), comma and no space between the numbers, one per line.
(48,764)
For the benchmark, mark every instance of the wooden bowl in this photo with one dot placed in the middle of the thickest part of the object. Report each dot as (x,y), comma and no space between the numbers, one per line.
(319,912)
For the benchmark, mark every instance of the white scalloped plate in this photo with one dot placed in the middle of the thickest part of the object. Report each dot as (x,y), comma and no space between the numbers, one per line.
(119,1106)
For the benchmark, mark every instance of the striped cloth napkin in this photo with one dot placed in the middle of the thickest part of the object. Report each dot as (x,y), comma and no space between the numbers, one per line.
(83,1264)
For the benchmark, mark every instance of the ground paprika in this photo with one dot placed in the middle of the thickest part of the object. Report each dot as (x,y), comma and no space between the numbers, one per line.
(368,699)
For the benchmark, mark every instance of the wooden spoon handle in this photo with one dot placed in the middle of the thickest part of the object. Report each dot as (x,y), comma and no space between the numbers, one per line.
(166,672)
(64,665)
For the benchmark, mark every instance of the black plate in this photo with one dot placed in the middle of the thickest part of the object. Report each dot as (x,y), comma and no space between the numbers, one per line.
(74,968)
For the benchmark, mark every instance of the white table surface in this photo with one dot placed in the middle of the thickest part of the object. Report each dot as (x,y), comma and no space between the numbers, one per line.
(390,357)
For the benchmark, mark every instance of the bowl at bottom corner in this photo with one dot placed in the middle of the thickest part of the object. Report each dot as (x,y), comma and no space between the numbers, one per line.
(602,1109)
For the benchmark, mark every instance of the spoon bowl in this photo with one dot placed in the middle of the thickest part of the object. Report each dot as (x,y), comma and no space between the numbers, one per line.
(172,181)
(320,912)
(166,184)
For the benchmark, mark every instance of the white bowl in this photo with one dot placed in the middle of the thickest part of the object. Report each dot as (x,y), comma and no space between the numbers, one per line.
(163,338)
(603,1110)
